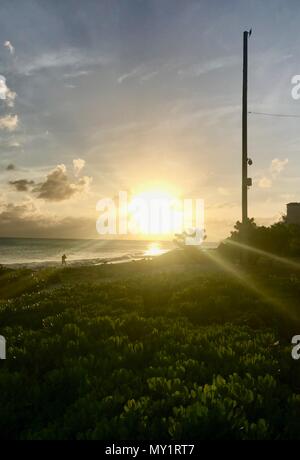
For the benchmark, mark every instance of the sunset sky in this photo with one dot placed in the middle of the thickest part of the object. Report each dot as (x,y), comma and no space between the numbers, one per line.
(102,96)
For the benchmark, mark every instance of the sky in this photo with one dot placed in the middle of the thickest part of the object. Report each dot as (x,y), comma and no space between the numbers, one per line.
(107,95)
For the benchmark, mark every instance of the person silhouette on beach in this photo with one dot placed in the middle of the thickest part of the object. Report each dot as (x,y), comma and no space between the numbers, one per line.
(64,259)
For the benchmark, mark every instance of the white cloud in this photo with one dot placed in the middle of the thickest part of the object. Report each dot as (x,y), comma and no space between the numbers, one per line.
(5,92)
(78,165)
(69,57)
(265,182)
(277,166)
(140,72)
(127,75)
(7,44)
(149,75)
(3,88)
(206,67)
(77,73)
(14,144)
(9,122)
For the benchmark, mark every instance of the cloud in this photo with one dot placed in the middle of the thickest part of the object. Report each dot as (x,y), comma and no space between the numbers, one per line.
(210,66)
(25,220)
(65,58)
(77,73)
(9,122)
(78,165)
(57,186)
(140,72)
(148,76)
(10,167)
(265,182)
(14,144)
(127,75)
(12,213)
(5,93)
(277,166)
(7,44)
(22,185)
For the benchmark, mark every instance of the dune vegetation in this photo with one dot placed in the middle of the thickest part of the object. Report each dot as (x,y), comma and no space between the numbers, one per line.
(173,348)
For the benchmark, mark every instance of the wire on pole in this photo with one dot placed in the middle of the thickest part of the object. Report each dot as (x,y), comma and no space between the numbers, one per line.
(281,115)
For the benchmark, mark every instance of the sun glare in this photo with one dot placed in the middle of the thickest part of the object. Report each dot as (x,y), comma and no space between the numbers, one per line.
(155,211)
(154,249)
(155,193)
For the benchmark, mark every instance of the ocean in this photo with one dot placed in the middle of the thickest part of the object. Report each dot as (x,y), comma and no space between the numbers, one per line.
(48,252)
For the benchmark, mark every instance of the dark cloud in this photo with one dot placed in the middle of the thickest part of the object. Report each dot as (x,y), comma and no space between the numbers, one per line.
(57,186)
(11,212)
(10,167)
(22,185)
(24,220)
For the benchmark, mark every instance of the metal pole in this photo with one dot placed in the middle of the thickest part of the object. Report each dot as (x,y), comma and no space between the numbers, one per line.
(245,133)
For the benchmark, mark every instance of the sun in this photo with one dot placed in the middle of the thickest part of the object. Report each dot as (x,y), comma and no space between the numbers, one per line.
(155,211)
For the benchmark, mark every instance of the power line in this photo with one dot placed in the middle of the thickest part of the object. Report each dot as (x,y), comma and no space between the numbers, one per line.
(280,115)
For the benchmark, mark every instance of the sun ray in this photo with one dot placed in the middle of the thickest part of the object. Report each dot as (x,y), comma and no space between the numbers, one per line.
(247,281)
(274,257)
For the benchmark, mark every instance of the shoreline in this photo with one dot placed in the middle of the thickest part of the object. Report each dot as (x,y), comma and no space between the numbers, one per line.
(169,259)
(102,261)
(97,261)
(36,265)
(18,255)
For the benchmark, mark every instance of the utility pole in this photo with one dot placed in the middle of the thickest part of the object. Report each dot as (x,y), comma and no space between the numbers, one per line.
(245,160)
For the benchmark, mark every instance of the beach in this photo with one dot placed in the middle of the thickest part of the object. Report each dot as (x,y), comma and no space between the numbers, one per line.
(38,253)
